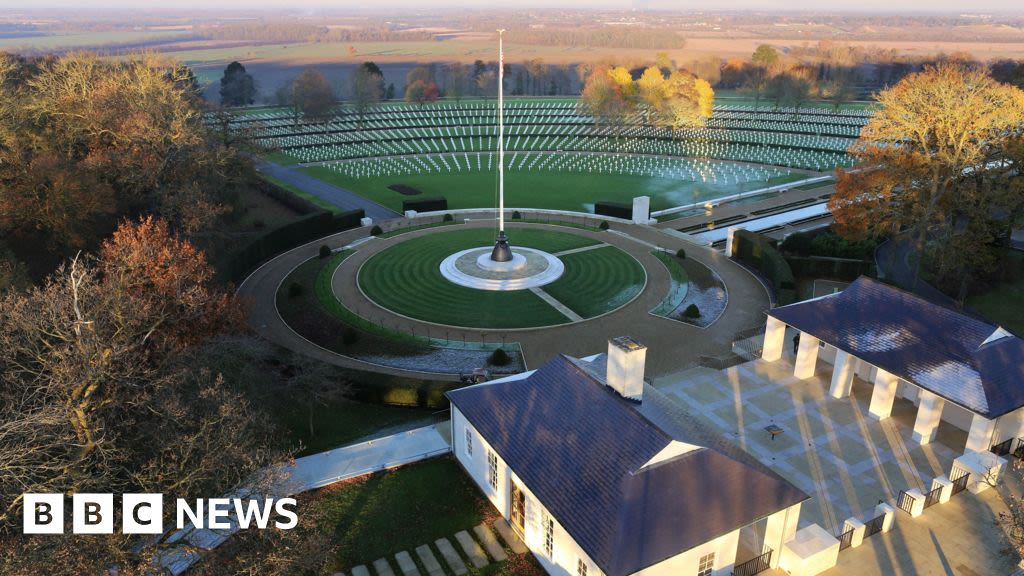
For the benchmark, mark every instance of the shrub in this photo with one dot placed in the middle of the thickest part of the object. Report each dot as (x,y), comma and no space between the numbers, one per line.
(681,254)
(349,336)
(499,358)
(692,311)
(376,231)
(447,218)
(516,215)
(604,225)
(325,251)
(295,290)
(259,224)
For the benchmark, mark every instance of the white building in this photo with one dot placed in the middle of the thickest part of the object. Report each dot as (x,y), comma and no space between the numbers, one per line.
(956,369)
(590,467)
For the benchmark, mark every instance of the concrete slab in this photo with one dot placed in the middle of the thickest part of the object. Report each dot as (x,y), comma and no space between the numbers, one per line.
(360,570)
(511,540)
(382,567)
(484,535)
(450,556)
(406,564)
(426,556)
(473,550)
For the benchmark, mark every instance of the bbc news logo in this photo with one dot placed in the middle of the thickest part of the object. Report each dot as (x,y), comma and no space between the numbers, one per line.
(144,513)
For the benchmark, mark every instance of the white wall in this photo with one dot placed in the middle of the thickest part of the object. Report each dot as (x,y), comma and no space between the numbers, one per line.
(476,464)
(685,564)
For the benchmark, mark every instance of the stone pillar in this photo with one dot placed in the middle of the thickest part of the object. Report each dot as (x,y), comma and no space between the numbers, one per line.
(929,414)
(883,394)
(774,339)
(858,531)
(842,375)
(979,439)
(947,488)
(780,529)
(366,221)
(806,357)
(730,233)
(641,209)
(890,514)
(916,502)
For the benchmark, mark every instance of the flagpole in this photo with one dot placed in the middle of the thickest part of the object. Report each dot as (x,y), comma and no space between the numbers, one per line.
(502,252)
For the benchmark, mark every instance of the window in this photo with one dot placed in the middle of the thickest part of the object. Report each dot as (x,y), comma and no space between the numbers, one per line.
(706,565)
(469,442)
(492,469)
(581,568)
(549,535)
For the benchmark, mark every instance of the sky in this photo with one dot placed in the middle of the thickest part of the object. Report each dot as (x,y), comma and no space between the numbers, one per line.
(956,6)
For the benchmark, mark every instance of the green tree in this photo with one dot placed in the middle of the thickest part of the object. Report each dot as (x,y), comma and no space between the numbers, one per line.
(763,61)
(237,87)
(367,88)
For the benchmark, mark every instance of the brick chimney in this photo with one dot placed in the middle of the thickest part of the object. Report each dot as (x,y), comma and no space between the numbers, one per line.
(625,371)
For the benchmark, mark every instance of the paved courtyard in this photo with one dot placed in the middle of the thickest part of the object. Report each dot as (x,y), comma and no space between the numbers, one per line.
(847,462)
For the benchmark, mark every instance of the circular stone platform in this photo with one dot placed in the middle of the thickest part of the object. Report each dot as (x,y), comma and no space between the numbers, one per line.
(528,268)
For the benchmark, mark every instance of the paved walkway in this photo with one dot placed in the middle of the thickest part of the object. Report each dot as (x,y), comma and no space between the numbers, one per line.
(340,197)
(745,309)
(474,549)
(316,471)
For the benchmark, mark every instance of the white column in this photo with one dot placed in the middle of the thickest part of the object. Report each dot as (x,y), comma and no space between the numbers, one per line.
(947,488)
(979,439)
(883,394)
(929,414)
(730,234)
(806,356)
(774,339)
(890,515)
(641,209)
(780,528)
(842,375)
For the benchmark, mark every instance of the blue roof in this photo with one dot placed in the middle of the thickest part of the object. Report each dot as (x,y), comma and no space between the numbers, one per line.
(961,358)
(581,449)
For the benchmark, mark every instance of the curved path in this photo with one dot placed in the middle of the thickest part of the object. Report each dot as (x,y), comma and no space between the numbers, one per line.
(671,344)
(340,197)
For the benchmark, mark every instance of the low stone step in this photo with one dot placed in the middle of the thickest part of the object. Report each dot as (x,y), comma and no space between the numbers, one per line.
(382,567)
(451,556)
(406,564)
(510,538)
(360,571)
(429,561)
(484,535)
(472,549)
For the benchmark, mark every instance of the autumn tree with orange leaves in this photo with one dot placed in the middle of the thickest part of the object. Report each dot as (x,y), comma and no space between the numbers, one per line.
(103,389)
(940,161)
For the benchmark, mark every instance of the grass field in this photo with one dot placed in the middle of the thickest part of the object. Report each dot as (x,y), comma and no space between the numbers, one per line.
(1004,303)
(543,189)
(597,281)
(406,279)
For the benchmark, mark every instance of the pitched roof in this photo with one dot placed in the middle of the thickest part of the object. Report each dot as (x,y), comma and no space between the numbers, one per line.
(586,454)
(963,359)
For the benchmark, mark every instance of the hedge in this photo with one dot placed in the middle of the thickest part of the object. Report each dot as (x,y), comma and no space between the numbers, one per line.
(614,209)
(760,253)
(832,268)
(286,197)
(308,228)
(425,204)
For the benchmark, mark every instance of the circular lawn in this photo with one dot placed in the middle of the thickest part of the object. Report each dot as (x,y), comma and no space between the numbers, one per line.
(406,279)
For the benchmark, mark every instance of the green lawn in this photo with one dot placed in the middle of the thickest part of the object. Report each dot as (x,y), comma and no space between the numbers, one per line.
(544,189)
(597,281)
(400,510)
(406,279)
(314,200)
(1004,303)
(340,422)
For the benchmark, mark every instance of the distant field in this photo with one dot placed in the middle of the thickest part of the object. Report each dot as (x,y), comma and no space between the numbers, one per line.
(552,190)
(87,39)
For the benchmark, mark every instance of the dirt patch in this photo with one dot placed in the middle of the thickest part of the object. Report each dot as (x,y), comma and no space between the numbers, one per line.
(405,190)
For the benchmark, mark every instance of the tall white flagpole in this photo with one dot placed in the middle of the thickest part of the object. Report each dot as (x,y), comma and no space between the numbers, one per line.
(501,133)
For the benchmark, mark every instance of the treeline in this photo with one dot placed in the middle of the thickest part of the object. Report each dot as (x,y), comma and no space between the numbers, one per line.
(299,32)
(646,38)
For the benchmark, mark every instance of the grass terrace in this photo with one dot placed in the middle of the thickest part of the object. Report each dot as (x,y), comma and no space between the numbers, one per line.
(406,279)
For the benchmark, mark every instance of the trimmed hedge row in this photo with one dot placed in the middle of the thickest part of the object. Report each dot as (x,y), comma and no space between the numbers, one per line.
(306,229)
(425,204)
(400,391)
(760,253)
(614,209)
(834,268)
(289,199)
